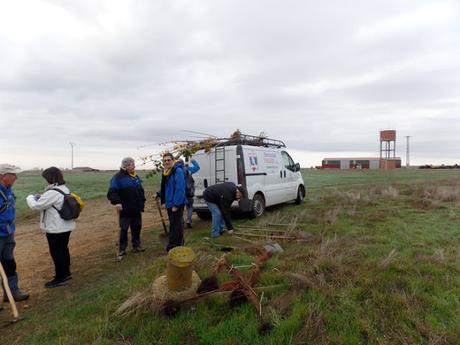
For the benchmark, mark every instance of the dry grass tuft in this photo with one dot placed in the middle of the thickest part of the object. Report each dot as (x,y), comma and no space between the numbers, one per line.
(432,196)
(328,266)
(299,280)
(331,216)
(347,197)
(384,191)
(312,330)
(390,192)
(388,260)
(133,303)
(352,211)
(439,256)
(204,261)
(281,305)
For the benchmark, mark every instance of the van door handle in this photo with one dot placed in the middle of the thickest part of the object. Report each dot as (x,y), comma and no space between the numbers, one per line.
(281,173)
(285,173)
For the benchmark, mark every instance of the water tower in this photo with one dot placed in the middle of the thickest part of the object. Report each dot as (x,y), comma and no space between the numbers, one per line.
(387,144)
(387,148)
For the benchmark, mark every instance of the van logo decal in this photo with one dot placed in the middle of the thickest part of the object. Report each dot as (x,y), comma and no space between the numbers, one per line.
(253,161)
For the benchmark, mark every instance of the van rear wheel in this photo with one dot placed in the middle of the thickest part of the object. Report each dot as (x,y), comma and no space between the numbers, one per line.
(258,206)
(300,195)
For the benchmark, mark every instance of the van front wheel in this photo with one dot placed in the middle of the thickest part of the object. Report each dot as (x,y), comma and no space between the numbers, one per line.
(258,206)
(300,195)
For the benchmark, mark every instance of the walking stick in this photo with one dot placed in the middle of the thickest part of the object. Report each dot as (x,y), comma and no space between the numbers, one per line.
(10,297)
(161,216)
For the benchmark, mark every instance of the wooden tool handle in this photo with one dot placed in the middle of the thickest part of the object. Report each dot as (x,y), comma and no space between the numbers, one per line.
(8,292)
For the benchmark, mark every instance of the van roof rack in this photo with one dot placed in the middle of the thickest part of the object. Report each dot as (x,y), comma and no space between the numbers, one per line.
(252,140)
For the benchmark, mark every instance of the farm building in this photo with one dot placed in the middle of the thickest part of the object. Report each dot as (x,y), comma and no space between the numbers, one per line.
(387,159)
(361,163)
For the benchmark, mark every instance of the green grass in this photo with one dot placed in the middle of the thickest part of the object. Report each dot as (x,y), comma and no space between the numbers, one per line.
(383,268)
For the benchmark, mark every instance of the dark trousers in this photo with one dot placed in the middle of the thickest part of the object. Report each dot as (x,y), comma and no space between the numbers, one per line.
(176,227)
(59,250)
(135,223)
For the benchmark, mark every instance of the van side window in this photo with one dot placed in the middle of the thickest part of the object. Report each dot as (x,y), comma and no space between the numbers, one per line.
(287,161)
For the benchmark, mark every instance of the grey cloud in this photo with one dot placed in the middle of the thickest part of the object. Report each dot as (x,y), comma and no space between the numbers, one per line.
(299,72)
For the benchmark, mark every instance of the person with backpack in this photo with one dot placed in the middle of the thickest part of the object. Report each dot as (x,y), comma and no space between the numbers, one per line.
(56,228)
(172,194)
(189,170)
(7,229)
(127,195)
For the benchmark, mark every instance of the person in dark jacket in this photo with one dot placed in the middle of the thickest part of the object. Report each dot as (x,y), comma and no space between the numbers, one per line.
(127,194)
(219,198)
(7,228)
(172,194)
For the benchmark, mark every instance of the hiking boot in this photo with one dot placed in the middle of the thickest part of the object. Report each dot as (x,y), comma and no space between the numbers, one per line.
(189,225)
(121,254)
(18,297)
(138,249)
(56,282)
(68,277)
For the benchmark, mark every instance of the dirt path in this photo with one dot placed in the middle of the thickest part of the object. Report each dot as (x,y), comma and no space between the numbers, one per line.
(94,241)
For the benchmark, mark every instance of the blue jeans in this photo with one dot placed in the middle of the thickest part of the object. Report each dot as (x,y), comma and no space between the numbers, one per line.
(189,210)
(217,219)
(7,245)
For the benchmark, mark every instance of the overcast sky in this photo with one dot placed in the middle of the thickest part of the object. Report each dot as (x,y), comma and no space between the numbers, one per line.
(116,77)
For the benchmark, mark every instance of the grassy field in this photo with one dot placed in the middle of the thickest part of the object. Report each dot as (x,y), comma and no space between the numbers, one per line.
(89,185)
(381,266)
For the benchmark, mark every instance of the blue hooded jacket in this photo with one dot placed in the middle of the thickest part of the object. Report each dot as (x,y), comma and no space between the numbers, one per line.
(8,215)
(173,187)
(194,167)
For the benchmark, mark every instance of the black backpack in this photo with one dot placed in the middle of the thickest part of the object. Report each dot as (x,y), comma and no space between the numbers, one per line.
(71,207)
(189,184)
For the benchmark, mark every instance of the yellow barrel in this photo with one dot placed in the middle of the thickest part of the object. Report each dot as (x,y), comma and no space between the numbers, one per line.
(179,268)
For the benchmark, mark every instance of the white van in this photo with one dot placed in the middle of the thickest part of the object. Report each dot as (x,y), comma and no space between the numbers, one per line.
(261,165)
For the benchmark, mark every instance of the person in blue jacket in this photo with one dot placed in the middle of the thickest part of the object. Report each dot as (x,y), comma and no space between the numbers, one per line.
(7,228)
(172,195)
(190,169)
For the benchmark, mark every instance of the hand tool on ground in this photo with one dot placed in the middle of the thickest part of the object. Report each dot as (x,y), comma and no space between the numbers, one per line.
(14,309)
(218,247)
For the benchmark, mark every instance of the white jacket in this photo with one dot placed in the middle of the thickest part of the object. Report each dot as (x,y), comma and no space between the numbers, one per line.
(50,220)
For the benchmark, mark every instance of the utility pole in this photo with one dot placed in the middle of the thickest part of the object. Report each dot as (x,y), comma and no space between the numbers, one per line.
(71,155)
(407,151)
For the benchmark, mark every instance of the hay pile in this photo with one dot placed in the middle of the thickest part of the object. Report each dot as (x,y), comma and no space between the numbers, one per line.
(161,293)
(156,297)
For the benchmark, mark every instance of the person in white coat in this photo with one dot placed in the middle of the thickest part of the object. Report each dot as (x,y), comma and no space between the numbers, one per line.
(57,229)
